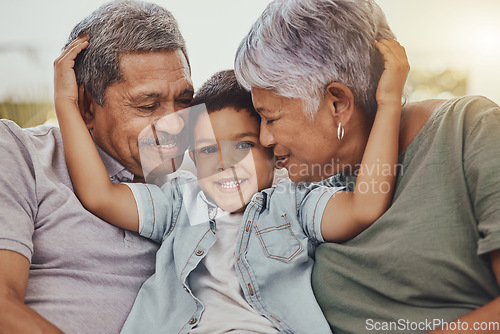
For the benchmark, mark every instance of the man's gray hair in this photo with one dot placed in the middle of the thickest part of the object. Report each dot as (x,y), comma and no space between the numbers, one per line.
(116,28)
(297,47)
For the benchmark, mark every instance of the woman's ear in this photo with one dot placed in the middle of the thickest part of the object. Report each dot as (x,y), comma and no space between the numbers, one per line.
(86,104)
(341,98)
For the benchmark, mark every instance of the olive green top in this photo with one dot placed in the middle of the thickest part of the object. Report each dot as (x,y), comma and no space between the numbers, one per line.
(426,258)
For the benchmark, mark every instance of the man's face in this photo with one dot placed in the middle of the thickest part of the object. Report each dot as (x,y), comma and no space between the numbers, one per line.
(162,145)
(305,147)
(153,86)
(231,164)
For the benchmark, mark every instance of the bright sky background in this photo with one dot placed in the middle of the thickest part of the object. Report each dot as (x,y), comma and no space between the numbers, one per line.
(460,34)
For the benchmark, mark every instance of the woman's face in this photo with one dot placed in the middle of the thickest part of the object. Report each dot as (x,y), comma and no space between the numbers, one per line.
(306,148)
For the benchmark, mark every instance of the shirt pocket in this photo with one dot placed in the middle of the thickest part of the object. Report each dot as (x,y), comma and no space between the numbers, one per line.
(279,242)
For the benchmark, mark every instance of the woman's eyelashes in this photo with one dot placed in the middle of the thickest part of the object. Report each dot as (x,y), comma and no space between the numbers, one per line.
(268,121)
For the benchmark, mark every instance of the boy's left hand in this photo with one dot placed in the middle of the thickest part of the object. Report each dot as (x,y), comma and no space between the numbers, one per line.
(393,79)
(65,86)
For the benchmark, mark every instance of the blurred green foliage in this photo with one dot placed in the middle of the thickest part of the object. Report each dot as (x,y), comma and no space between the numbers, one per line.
(441,83)
(27,114)
(423,83)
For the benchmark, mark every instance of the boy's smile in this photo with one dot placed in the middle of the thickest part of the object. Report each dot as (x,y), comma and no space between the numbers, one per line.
(232,165)
(230,185)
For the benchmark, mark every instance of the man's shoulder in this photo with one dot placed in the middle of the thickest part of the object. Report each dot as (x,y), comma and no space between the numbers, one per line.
(38,149)
(11,129)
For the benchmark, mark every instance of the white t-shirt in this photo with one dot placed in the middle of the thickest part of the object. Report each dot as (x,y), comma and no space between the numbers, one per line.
(216,284)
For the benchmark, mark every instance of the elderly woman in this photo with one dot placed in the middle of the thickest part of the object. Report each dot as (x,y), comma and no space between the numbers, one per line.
(432,261)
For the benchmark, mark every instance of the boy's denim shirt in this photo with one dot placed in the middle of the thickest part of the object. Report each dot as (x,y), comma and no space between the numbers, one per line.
(273,260)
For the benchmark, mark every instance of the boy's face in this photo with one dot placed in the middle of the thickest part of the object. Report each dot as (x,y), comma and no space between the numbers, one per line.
(232,165)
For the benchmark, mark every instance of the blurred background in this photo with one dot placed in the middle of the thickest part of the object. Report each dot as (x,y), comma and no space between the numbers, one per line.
(453,45)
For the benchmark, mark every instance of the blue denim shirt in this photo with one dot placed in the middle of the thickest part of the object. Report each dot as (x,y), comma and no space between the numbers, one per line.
(273,260)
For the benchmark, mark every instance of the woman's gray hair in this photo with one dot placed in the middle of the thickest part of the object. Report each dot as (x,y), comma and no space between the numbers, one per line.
(297,47)
(116,28)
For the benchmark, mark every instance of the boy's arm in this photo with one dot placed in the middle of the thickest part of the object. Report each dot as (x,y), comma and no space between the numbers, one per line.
(349,213)
(111,202)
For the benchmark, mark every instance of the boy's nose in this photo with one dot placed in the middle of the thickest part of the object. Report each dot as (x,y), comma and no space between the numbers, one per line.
(227,160)
(231,157)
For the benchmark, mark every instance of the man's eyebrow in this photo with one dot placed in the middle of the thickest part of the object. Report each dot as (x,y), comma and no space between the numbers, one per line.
(189,91)
(145,96)
(148,96)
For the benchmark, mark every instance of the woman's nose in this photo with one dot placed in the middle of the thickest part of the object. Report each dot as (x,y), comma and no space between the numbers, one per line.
(266,137)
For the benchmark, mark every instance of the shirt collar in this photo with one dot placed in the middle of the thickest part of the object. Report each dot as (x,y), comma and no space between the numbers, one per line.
(117,173)
(214,211)
(200,208)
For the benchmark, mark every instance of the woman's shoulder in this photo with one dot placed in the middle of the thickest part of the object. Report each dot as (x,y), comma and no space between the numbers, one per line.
(413,118)
(416,114)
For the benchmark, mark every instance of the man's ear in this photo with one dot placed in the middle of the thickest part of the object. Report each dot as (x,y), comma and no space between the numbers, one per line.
(86,104)
(342,99)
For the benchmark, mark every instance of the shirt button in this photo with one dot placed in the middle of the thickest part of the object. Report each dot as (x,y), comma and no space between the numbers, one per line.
(192,321)
(199,252)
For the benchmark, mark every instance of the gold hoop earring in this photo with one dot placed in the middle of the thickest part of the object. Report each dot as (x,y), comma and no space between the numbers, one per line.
(340,131)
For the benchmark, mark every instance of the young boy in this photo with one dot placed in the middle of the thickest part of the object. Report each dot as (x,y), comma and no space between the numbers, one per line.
(230,259)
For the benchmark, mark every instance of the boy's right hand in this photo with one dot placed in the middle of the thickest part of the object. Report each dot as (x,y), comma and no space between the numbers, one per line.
(393,79)
(65,86)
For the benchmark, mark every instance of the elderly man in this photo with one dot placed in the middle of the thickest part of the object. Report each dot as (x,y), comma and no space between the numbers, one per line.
(61,268)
